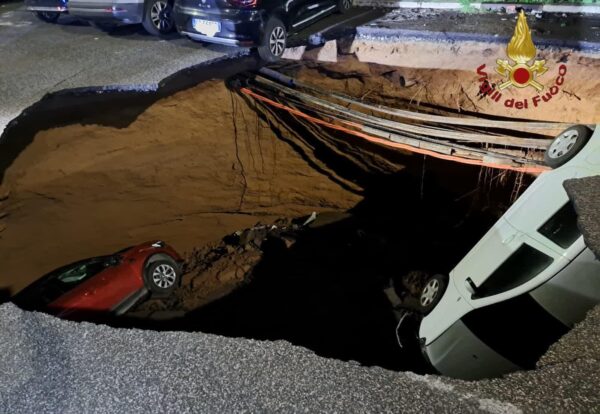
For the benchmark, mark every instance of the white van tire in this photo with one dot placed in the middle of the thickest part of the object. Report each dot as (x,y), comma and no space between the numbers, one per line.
(566,145)
(432,293)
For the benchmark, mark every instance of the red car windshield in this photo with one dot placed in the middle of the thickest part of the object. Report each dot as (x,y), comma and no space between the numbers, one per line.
(81,271)
(68,277)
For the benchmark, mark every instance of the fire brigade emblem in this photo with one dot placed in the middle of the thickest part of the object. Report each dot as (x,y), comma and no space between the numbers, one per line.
(521,51)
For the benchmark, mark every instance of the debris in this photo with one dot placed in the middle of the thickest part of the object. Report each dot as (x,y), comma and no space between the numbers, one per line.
(310,219)
(316,39)
(433,135)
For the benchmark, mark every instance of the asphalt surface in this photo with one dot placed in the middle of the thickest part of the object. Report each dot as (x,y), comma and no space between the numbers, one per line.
(38,58)
(585,194)
(51,365)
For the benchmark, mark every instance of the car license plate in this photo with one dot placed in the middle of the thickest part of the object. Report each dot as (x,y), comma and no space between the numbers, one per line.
(206,27)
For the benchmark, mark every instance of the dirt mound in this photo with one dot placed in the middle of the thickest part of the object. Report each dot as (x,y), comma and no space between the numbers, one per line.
(213,271)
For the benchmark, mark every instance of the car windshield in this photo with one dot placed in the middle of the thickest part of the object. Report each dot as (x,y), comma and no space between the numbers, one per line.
(82,271)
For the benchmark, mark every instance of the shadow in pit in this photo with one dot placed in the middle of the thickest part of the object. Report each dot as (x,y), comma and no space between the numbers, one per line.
(325,291)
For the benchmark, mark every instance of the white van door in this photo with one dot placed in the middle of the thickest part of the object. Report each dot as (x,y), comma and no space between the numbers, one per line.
(504,264)
(499,243)
(542,200)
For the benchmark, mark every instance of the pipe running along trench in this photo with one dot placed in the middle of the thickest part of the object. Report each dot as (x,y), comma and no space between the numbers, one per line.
(538,169)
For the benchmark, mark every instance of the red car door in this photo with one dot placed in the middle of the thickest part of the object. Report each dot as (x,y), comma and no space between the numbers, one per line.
(101,292)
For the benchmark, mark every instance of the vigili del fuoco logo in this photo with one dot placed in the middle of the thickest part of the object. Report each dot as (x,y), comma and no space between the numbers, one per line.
(521,70)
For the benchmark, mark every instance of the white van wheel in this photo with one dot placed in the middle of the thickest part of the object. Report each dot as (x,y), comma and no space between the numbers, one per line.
(432,293)
(566,145)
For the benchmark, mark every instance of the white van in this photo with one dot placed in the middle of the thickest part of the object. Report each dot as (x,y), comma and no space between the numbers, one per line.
(525,283)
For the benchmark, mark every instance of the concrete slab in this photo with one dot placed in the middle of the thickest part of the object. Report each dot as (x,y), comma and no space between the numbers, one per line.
(576,32)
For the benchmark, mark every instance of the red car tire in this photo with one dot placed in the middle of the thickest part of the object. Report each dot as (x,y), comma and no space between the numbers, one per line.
(162,277)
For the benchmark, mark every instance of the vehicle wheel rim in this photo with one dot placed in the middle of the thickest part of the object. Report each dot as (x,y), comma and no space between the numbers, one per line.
(430,292)
(563,143)
(277,41)
(164,276)
(160,14)
(346,4)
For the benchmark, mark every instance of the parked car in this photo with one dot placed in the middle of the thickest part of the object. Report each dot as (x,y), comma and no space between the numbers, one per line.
(263,24)
(524,284)
(105,284)
(155,15)
(47,10)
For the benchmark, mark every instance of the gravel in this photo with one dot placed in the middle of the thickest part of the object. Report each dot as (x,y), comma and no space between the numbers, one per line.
(585,194)
(51,365)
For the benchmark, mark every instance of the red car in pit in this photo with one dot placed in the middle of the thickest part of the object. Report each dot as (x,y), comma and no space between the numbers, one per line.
(106,284)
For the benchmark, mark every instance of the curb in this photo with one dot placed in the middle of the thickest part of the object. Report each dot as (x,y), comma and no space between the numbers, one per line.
(509,7)
(386,34)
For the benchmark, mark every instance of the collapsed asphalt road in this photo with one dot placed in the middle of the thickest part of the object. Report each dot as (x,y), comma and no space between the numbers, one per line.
(68,367)
(38,58)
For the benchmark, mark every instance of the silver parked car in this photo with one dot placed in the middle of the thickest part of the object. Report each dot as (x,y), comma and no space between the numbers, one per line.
(47,10)
(155,15)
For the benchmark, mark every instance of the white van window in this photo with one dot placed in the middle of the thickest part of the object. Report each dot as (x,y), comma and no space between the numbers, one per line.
(523,265)
(562,228)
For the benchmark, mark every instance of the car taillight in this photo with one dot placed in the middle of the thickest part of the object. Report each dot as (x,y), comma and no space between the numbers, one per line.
(244,3)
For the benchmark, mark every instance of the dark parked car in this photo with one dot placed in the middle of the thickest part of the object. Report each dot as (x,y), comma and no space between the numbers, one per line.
(105,284)
(47,10)
(263,24)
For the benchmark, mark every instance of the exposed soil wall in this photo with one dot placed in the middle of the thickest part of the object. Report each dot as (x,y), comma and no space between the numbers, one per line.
(445,73)
(190,169)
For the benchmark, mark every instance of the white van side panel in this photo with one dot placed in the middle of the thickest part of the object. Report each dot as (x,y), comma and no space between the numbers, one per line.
(572,292)
(460,354)
(490,252)
(528,214)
